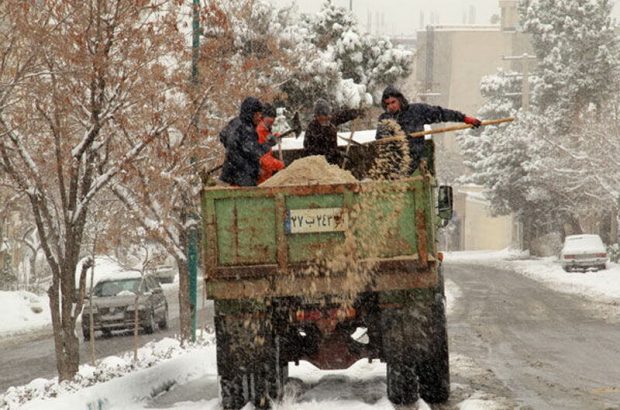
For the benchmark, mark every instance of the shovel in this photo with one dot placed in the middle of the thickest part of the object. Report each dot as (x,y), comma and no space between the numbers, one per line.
(295,129)
(421,134)
(349,141)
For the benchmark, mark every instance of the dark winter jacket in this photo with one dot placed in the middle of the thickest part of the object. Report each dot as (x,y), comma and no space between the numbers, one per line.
(412,118)
(243,152)
(323,140)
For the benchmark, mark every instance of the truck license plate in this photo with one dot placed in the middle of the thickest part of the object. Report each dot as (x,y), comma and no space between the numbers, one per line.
(316,220)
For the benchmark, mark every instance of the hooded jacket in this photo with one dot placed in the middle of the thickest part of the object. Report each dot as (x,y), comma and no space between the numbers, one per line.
(243,151)
(323,140)
(412,118)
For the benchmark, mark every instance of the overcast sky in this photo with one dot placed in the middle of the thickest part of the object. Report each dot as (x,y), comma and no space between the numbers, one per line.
(405,16)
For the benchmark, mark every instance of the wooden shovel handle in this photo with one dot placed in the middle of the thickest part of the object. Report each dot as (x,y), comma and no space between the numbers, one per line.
(420,134)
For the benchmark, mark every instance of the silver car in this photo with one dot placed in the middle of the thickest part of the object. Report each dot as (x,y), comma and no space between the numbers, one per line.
(583,252)
(114,302)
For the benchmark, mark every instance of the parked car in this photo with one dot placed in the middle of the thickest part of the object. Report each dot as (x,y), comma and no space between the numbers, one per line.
(583,252)
(113,303)
(165,273)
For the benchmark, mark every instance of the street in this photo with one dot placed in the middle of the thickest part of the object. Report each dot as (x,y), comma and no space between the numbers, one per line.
(512,340)
(31,356)
(546,349)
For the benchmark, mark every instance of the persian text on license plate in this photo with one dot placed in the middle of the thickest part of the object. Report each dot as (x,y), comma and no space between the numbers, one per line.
(316,220)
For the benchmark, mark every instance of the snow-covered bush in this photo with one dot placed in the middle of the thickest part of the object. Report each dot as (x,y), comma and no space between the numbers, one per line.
(107,369)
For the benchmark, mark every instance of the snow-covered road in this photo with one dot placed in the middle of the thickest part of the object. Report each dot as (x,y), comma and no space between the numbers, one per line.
(515,342)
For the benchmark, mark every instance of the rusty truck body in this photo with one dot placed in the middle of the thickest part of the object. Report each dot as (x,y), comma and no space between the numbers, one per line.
(329,274)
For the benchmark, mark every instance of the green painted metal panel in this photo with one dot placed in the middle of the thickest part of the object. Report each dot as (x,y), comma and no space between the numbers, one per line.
(314,201)
(248,225)
(246,230)
(385,225)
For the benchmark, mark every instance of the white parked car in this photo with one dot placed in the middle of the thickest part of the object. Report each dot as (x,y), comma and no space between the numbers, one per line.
(165,273)
(583,252)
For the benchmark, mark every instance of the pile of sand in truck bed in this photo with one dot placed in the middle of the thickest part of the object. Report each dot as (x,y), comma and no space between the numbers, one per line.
(313,170)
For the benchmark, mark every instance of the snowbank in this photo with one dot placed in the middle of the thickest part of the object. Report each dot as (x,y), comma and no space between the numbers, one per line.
(119,382)
(22,312)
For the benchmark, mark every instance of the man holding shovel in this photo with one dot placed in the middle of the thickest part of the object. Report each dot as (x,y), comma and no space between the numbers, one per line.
(402,117)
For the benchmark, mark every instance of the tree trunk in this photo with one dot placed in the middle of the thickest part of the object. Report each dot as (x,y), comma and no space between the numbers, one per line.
(65,307)
(185,310)
(66,343)
(528,233)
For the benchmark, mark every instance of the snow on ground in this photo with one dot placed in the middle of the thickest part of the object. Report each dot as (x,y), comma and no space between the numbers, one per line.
(603,285)
(119,383)
(23,312)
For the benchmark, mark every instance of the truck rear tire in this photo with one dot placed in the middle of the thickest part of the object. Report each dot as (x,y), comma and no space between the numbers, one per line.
(415,347)
(402,383)
(398,332)
(433,366)
(247,361)
(231,389)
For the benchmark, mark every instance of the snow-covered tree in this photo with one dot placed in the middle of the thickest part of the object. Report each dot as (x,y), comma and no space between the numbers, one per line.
(576,44)
(577,48)
(336,60)
(537,166)
(479,147)
(367,59)
(84,90)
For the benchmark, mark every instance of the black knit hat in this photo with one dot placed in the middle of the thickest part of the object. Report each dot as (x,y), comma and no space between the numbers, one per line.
(249,106)
(269,110)
(322,107)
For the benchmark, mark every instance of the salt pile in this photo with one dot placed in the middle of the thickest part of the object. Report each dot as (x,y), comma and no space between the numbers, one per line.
(313,170)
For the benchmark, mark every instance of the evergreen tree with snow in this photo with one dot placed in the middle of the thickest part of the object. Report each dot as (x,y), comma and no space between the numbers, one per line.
(538,167)
(348,62)
(367,59)
(501,92)
(576,44)
(577,48)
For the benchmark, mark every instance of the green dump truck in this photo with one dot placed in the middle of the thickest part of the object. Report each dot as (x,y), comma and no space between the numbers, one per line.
(329,274)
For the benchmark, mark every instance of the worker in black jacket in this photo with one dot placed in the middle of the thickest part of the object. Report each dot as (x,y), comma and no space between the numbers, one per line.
(321,137)
(243,151)
(412,118)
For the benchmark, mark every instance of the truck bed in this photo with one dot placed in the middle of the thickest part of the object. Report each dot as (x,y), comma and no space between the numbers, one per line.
(269,242)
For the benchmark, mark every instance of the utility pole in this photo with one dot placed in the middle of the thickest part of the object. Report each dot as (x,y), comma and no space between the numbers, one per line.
(525,59)
(192,251)
(350,5)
